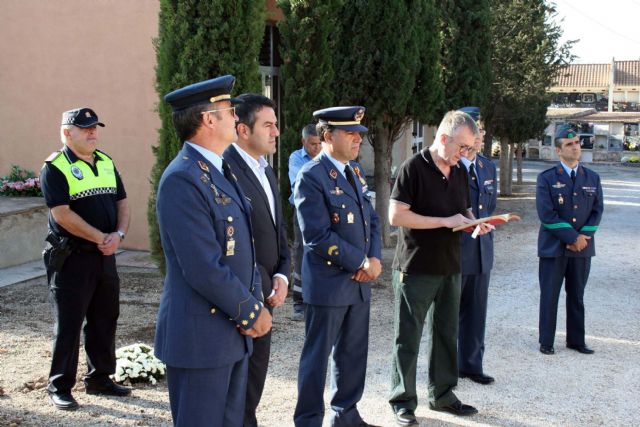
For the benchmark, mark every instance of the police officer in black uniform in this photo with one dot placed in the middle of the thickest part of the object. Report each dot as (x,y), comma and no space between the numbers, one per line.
(88,219)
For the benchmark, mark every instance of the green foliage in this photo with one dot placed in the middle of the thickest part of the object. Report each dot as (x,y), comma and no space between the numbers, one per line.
(199,40)
(20,183)
(308,36)
(466,52)
(526,56)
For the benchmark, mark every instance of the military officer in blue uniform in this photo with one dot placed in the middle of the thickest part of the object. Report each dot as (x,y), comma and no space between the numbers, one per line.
(569,201)
(476,262)
(342,251)
(212,303)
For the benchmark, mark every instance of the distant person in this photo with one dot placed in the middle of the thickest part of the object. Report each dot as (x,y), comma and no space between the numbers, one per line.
(429,198)
(211,307)
(257,129)
(476,261)
(88,219)
(311,147)
(342,251)
(570,203)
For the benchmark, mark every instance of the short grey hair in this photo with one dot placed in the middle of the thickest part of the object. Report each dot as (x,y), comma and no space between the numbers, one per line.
(63,138)
(309,130)
(453,121)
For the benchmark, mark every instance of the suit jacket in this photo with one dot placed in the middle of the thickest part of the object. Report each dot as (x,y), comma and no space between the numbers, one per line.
(566,209)
(211,285)
(339,227)
(270,235)
(477,254)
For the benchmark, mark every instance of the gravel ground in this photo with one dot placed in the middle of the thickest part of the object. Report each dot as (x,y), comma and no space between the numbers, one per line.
(531,389)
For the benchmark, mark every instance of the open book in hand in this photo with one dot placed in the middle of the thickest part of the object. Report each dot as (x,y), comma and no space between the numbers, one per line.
(493,220)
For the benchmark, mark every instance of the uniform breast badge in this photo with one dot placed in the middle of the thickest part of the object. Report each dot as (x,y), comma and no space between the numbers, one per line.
(350,218)
(76,172)
(231,243)
(335,218)
(337,191)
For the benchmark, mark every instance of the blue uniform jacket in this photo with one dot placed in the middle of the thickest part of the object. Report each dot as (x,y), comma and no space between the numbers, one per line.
(209,290)
(339,227)
(566,209)
(477,254)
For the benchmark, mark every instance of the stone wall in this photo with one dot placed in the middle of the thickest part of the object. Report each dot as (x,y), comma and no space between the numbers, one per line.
(23,227)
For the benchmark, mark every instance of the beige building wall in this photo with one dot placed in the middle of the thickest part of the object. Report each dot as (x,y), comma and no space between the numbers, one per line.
(61,54)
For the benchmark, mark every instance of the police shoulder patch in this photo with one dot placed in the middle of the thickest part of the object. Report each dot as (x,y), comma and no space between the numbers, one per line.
(53,156)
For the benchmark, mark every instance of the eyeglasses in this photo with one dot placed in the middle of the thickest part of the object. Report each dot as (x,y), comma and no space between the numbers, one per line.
(233,110)
(466,148)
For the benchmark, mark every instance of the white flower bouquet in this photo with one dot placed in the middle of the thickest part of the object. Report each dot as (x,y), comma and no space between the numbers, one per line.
(137,363)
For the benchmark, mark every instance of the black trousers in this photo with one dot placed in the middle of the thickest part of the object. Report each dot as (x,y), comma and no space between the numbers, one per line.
(87,287)
(574,272)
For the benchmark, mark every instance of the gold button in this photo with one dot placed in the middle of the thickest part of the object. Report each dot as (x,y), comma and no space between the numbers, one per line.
(213,311)
(256,307)
(328,262)
(365,223)
(366,239)
(343,206)
(575,206)
(575,194)
(230,218)
(479,206)
(574,220)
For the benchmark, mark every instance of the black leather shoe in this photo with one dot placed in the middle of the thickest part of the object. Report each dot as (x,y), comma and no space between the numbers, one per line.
(406,417)
(63,401)
(547,349)
(581,349)
(456,408)
(478,378)
(108,389)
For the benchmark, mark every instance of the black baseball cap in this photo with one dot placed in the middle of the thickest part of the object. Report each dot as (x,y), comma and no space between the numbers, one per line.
(81,117)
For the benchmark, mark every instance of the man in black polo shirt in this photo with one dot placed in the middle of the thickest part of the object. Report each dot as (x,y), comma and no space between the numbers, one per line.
(430,197)
(88,218)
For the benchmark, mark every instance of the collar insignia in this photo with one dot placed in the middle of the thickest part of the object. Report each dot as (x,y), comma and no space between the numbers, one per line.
(333,174)
(203,166)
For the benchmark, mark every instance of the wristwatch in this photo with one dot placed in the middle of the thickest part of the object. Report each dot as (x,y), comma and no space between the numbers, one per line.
(366,264)
(121,234)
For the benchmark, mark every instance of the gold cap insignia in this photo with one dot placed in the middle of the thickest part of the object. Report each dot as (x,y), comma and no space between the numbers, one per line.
(359,115)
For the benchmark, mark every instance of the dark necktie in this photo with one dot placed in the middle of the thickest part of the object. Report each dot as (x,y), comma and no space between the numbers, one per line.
(226,170)
(573,176)
(472,172)
(349,175)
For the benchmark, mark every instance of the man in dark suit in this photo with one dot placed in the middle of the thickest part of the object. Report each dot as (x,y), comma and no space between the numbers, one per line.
(211,306)
(342,251)
(257,129)
(476,261)
(570,203)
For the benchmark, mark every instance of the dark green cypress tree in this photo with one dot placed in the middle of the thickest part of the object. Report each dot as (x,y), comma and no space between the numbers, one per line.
(199,40)
(466,52)
(388,60)
(308,36)
(527,54)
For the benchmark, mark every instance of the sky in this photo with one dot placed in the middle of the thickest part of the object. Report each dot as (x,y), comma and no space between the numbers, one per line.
(606,29)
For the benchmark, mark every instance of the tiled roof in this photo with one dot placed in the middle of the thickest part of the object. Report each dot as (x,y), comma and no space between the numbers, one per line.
(584,75)
(568,113)
(626,117)
(627,73)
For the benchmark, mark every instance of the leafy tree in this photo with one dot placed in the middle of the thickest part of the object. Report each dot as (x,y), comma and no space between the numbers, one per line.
(466,52)
(199,40)
(394,74)
(308,36)
(527,54)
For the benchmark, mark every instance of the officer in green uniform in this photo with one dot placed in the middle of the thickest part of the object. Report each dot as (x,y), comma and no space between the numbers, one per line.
(88,219)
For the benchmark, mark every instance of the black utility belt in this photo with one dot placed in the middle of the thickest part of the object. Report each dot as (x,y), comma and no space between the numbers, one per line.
(85,248)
